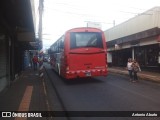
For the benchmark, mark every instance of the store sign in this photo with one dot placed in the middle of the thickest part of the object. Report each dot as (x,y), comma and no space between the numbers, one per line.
(94,25)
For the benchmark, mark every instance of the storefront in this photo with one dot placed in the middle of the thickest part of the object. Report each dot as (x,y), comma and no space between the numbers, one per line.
(148,55)
(4,63)
(120,57)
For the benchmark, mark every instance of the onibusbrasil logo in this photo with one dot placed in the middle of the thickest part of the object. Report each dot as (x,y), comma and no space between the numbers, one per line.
(21,114)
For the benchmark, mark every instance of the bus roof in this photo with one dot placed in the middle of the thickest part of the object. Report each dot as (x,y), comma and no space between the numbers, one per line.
(84,28)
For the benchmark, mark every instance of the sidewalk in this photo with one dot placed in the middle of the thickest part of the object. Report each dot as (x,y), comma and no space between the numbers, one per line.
(25,94)
(145,75)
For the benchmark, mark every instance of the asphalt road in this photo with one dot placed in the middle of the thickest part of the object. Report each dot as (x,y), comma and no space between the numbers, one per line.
(111,93)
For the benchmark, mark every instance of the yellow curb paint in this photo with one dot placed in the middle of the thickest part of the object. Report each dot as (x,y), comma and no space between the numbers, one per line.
(25,102)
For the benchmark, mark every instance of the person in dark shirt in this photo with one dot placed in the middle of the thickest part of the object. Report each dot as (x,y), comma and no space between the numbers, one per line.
(136,69)
(35,62)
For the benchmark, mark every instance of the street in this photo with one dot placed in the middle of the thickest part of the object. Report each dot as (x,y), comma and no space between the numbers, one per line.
(111,93)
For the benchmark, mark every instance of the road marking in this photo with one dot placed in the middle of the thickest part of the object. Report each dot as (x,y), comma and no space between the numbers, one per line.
(25,102)
(45,93)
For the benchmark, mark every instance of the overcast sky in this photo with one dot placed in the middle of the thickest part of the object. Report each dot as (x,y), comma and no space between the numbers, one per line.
(61,15)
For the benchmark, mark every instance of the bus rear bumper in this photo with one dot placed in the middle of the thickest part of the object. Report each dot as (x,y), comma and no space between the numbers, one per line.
(85,73)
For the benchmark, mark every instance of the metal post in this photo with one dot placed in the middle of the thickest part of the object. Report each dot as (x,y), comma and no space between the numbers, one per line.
(133,53)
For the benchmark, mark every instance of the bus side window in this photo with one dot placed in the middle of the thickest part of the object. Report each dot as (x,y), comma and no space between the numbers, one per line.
(62,45)
(99,40)
(72,41)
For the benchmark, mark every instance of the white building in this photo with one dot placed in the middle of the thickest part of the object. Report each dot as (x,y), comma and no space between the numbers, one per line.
(137,38)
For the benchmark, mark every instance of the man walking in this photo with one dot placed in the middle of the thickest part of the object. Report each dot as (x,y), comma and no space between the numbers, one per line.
(35,61)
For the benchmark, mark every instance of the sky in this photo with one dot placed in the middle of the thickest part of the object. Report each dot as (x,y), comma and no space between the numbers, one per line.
(62,15)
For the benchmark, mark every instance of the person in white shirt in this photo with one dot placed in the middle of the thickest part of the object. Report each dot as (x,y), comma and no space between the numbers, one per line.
(129,68)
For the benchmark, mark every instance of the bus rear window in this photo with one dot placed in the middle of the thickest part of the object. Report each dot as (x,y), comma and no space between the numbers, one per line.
(86,39)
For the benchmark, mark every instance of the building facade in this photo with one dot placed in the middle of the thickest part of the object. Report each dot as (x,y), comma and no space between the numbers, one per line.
(137,38)
(17,30)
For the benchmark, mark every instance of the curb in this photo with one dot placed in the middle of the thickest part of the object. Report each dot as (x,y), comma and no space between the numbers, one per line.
(140,75)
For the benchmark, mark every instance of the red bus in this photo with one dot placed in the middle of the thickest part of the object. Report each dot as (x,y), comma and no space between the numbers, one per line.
(80,52)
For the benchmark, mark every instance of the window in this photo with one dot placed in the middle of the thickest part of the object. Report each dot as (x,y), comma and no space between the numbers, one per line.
(62,42)
(86,39)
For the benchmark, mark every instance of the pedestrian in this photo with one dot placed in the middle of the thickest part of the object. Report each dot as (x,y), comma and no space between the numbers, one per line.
(40,60)
(30,59)
(136,69)
(31,63)
(35,62)
(129,68)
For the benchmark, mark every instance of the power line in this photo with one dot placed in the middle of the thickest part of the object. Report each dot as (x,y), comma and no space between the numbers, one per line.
(80,14)
(146,9)
(136,13)
(73,13)
(139,8)
(71,6)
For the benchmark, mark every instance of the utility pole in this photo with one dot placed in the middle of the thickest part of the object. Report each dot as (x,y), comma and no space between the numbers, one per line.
(40,22)
(40,40)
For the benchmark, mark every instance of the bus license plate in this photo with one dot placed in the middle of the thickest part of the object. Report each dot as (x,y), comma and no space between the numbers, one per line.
(88,74)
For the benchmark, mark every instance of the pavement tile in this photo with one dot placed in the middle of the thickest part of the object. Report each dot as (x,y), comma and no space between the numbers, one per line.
(14,96)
